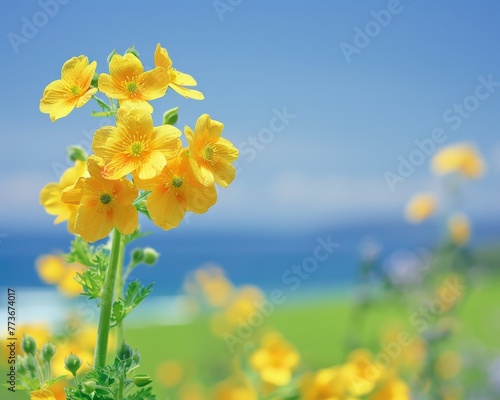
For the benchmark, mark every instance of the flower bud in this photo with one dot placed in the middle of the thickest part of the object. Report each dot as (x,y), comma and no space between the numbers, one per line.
(111,55)
(137,256)
(48,350)
(95,80)
(124,352)
(72,363)
(170,117)
(133,51)
(150,256)
(142,380)
(28,344)
(136,357)
(31,364)
(21,365)
(89,387)
(76,153)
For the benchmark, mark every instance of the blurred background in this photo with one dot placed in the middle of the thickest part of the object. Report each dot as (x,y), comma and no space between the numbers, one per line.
(337,108)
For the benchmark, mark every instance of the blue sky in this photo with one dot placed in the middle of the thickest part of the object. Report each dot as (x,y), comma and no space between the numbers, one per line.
(349,121)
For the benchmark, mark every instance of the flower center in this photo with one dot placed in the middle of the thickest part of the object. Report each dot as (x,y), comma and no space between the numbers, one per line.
(75,90)
(136,149)
(177,181)
(105,198)
(132,87)
(207,153)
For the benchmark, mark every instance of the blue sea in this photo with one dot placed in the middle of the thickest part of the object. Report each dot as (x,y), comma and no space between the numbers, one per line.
(258,258)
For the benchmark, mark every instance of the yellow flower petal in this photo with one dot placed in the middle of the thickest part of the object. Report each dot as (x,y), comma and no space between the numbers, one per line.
(42,395)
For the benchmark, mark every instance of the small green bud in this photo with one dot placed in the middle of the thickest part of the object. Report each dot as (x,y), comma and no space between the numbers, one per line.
(31,364)
(136,357)
(76,153)
(124,352)
(111,55)
(137,256)
(89,387)
(133,51)
(95,80)
(21,365)
(72,363)
(170,117)
(142,380)
(48,350)
(150,256)
(28,344)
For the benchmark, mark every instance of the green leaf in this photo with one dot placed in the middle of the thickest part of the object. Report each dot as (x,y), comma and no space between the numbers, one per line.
(141,207)
(171,116)
(103,114)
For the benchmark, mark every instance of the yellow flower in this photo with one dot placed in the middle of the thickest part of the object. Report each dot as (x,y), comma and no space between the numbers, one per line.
(361,372)
(177,79)
(54,271)
(73,89)
(448,364)
(459,228)
(462,158)
(234,389)
(393,389)
(420,207)
(129,83)
(102,204)
(51,269)
(211,155)
(174,191)
(134,145)
(215,286)
(170,373)
(275,360)
(326,384)
(42,395)
(50,196)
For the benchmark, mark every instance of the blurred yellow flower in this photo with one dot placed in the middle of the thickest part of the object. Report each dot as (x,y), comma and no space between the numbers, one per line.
(420,207)
(393,389)
(234,389)
(174,191)
(73,89)
(243,304)
(135,145)
(50,196)
(459,228)
(170,373)
(192,391)
(216,288)
(102,204)
(42,395)
(54,270)
(129,83)
(462,158)
(275,360)
(448,364)
(361,371)
(211,155)
(177,79)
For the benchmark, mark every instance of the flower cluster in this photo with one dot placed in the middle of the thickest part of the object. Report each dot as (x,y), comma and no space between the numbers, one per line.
(136,166)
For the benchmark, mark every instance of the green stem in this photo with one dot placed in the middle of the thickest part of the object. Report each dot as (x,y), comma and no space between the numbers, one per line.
(120,335)
(107,302)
